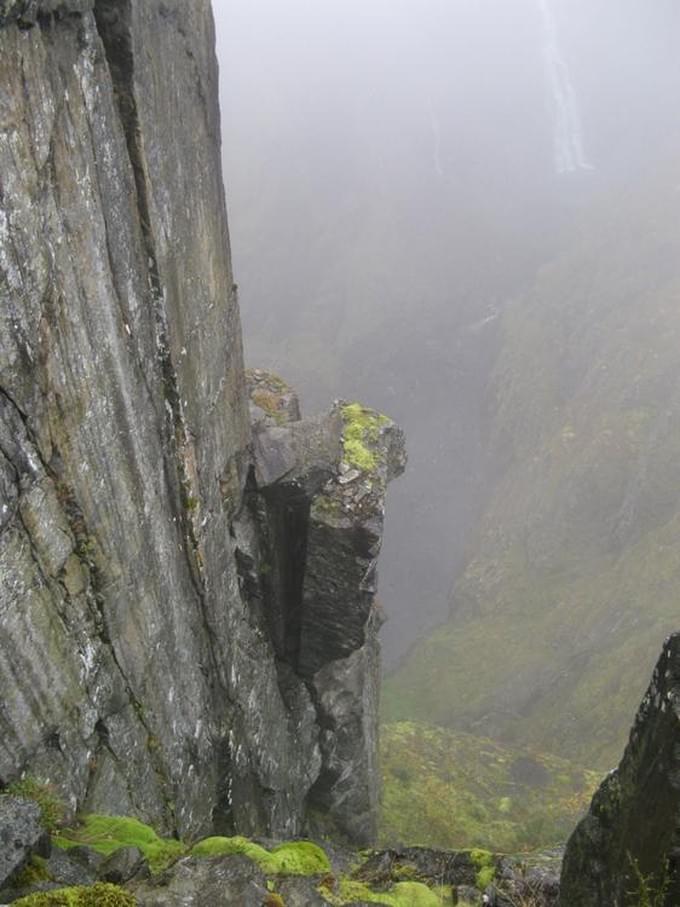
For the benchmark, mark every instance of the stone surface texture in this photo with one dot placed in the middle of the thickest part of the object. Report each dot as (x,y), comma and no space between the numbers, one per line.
(218,881)
(632,831)
(21,835)
(178,622)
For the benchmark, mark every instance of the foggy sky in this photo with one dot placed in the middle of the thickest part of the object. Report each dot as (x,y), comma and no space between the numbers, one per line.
(393,180)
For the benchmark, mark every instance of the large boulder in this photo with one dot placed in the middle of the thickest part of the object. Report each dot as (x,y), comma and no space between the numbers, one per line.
(629,842)
(21,835)
(222,881)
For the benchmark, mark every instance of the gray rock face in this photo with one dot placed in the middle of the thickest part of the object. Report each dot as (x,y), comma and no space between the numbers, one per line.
(301,892)
(65,870)
(21,835)
(169,645)
(124,864)
(631,835)
(219,881)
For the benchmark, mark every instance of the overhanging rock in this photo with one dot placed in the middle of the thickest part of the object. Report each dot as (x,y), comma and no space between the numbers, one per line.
(323,482)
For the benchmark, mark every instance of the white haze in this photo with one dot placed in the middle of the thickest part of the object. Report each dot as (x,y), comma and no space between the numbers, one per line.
(396,172)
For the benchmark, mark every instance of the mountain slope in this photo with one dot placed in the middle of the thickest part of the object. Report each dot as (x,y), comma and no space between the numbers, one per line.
(573,578)
(447,789)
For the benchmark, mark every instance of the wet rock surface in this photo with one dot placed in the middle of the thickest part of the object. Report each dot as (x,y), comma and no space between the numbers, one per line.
(630,838)
(160,563)
(219,881)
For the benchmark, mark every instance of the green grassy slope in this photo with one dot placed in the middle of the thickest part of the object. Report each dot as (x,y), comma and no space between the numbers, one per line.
(574,578)
(452,790)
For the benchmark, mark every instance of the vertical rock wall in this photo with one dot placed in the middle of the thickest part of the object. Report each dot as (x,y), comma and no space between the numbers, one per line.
(143,664)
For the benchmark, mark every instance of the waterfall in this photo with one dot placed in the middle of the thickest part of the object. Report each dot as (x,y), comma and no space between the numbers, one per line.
(570,154)
(437,140)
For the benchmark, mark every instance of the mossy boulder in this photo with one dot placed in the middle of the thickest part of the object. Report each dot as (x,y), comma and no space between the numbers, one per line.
(403,894)
(106,834)
(291,858)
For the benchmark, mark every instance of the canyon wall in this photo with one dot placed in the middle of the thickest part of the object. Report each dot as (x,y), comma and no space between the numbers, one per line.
(140,666)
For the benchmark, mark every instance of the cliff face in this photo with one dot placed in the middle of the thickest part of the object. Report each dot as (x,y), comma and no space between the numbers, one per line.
(139,662)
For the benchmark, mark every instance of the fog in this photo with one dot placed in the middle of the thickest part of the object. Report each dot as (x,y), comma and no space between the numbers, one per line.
(397,173)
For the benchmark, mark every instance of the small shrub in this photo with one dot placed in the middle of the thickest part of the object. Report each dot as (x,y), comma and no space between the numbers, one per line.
(485,866)
(646,893)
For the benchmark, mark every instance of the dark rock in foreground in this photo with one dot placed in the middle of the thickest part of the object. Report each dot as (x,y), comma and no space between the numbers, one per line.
(219,881)
(629,841)
(21,835)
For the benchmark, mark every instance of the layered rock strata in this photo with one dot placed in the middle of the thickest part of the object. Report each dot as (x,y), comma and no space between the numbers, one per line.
(144,667)
(626,851)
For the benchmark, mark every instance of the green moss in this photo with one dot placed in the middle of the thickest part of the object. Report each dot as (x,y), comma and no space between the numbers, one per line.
(100,895)
(405,874)
(485,866)
(292,858)
(33,872)
(361,431)
(403,894)
(106,834)
(52,807)
(301,858)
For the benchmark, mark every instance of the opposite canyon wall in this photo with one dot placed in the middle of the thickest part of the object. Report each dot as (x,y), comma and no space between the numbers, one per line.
(138,665)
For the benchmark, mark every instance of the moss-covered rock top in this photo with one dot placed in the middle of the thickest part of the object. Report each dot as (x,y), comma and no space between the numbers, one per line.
(361,432)
(228,867)
(401,894)
(106,834)
(272,400)
(290,858)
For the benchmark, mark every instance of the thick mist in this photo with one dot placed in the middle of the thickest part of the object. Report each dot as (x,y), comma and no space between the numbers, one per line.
(397,173)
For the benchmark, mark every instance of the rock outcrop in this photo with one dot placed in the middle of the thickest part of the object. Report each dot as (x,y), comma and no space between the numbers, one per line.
(322,483)
(171,645)
(629,843)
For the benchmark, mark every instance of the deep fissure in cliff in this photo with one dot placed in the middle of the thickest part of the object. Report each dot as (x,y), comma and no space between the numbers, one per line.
(288,513)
